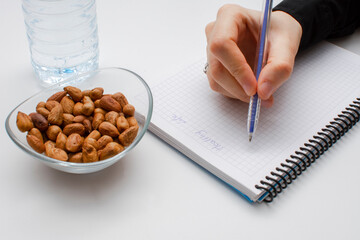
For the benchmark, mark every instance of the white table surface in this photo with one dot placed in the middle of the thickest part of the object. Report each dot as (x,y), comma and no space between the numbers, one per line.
(156,192)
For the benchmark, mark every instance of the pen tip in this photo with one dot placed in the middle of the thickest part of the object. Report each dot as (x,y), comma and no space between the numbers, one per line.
(250,137)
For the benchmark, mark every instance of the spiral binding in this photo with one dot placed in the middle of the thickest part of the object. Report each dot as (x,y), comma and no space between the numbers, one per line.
(307,154)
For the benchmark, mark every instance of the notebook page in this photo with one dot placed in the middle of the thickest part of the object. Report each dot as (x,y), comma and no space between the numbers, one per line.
(212,128)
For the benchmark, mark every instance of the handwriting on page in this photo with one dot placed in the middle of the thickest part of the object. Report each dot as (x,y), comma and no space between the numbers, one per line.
(201,135)
(181,108)
(176,119)
(204,137)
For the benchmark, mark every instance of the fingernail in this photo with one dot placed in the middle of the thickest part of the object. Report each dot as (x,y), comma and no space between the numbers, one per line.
(266,89)
(249,90)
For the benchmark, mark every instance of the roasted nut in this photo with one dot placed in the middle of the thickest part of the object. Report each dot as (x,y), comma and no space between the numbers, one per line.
(56,115)
(129,110)
(52,132)
(39,121)
(96,93)
(98,119)
(67,119)
(84,126)
(132,122)
(104,140)
(74,142)
(78,108)
(48,145)
(43,111)
(79,118)
(74,92)
(87,125)
(40,108)
(40,105)
(128,136)
(120,98)
(36,132)
(110,104)
(86,92)
(57,153)
(52,151)
(89,153)
(45,138)
(110,150)
(36,143)
(95,134)
(61,141)
(111,117)
(99,153)
(92,141)
(100,110)
(97,103)
(88,107)
(67,104)
(106,128)
(24,122)
(49,105)
(75,157)
(74,128)
(122,124)
(57,96)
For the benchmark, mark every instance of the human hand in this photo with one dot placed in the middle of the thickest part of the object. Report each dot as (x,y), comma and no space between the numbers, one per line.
(231,50)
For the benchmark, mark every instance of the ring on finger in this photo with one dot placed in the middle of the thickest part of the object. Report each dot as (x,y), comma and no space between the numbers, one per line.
(206,67)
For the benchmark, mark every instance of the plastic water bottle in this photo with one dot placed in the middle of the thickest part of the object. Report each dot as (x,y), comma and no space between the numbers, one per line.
(63,37)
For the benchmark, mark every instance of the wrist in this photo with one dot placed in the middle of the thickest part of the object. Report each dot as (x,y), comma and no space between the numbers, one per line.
(286,26)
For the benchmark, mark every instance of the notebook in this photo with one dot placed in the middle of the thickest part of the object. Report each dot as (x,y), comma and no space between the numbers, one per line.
(312,110)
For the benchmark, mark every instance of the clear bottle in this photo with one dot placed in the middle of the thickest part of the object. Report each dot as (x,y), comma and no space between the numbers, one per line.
(63,37)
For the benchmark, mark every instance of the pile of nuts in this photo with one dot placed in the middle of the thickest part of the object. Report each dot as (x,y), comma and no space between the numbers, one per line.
(80,126)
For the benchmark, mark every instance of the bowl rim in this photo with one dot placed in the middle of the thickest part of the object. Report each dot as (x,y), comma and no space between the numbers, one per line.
(118,156)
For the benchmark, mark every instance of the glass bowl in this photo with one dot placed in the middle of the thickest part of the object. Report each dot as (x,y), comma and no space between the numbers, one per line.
(112,80)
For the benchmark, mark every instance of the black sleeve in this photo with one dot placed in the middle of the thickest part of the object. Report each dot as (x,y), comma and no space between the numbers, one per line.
(322,19)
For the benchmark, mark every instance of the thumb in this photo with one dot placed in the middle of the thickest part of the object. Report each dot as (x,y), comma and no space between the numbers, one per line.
(277,70)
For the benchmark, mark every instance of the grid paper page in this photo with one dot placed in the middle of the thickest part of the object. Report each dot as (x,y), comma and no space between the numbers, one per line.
(212,128)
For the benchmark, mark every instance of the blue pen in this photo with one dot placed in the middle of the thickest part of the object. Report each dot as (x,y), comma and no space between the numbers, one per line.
(255,102)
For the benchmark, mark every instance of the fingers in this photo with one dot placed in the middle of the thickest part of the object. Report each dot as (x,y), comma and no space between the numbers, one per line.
(232,41)
(227,86)
(222,44)
(222,81)
(277,70)
(273,75)
(284,44)
(280,63)
(208,29)
(217,88)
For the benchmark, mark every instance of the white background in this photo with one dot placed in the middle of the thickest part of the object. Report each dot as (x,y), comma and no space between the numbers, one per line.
(156,192)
